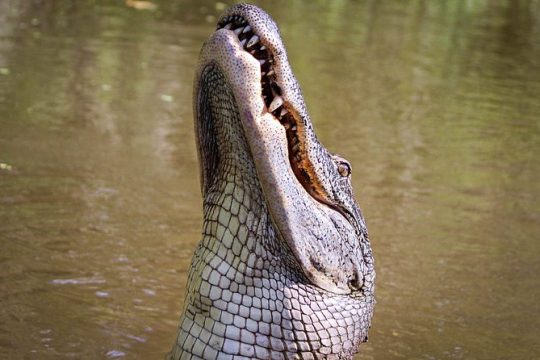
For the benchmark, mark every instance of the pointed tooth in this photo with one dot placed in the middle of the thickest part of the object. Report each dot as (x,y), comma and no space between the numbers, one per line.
(296,147)
(246,29)
(243,42)
(254,39)
(277,102)
(228,26)
(263,47)
(262,61)
(283,112)
(293,128)
(238,30)
(270,72)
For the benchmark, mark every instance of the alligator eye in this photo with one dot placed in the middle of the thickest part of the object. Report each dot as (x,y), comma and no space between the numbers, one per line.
(344,169)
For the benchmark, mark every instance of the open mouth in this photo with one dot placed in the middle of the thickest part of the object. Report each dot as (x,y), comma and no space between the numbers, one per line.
(272,97)
(328,252)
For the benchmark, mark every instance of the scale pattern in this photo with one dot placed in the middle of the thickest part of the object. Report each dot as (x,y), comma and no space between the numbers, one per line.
(247,298)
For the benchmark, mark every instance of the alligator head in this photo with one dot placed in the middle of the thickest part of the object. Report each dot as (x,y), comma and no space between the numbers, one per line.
(284,268)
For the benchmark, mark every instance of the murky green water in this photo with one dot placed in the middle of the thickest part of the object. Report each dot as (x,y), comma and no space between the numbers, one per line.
(436,104)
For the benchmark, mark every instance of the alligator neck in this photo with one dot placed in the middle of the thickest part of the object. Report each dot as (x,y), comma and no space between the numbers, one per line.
(284,267)
(246,294)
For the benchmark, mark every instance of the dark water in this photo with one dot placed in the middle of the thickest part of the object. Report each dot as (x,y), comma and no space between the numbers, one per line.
(436,104)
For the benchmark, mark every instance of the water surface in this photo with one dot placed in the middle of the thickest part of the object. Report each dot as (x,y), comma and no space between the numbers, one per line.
(436,104)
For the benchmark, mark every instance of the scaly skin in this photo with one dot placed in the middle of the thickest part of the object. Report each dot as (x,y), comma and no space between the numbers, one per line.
(284,268)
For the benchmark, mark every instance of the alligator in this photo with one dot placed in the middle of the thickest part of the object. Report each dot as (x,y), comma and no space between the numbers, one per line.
(284,269)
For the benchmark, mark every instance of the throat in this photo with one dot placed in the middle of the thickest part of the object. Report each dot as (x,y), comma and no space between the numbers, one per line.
(222,145)
(235,217)
(237,225)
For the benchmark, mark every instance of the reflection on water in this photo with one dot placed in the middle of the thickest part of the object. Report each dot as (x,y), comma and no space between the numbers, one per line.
(435,104)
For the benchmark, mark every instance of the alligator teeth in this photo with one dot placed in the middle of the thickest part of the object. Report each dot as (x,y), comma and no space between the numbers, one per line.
(293,128)
(296,147)
(228,26)
(270,72)
(263,47)
(262,61)
(277,102)
(246,29)
(254,39)
(243,42)
(238,30)
(283,112)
